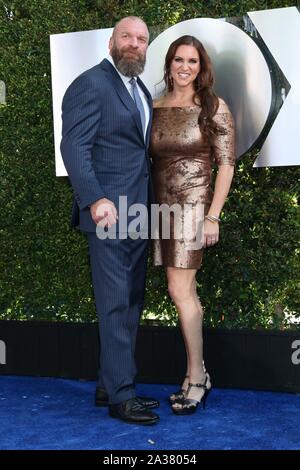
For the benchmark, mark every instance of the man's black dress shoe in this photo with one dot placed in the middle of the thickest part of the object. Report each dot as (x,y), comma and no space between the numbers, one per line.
(101,399)
(133,412)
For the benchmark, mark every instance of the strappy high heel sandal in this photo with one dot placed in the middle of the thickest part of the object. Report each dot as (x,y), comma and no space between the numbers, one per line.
(188,406)
(179,395)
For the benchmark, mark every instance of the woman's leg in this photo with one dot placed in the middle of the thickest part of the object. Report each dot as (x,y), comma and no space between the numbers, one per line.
(182,289)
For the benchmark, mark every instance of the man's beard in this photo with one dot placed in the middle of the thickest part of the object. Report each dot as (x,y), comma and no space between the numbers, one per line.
(128,67)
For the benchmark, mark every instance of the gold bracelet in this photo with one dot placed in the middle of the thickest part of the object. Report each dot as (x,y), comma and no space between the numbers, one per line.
(213,218)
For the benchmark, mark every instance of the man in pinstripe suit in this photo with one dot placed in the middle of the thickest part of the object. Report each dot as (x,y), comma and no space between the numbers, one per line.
(105,137)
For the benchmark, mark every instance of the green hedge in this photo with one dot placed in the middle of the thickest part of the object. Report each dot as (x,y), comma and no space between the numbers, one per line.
(248,280)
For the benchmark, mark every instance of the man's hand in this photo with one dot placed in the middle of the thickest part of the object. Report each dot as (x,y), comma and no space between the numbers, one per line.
(104,212)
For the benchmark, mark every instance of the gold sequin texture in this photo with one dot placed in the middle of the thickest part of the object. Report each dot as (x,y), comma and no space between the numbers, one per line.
(182,171)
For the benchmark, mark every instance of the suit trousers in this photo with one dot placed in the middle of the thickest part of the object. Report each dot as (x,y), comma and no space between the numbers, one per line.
(119,273)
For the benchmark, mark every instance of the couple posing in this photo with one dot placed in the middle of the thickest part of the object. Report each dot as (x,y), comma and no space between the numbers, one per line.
(111,128)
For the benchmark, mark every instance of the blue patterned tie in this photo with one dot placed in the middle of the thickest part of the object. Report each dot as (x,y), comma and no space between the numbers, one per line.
(138,102)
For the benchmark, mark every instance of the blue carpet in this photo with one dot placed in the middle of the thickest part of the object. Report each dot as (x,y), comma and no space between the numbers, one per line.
(53,413)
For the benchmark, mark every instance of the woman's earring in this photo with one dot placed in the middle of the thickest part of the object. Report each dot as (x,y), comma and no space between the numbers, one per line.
(171,81)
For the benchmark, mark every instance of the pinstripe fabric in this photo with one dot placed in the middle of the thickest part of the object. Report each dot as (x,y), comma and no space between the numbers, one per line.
(102,144)
(118,270)
(105,154)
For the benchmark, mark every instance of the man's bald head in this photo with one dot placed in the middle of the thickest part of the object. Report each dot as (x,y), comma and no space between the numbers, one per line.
(125,22)
(128,45)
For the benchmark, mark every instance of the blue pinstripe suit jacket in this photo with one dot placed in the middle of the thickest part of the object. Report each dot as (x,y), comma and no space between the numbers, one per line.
(102,145)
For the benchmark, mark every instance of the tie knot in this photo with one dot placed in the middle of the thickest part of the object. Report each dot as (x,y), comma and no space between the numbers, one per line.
(132,81)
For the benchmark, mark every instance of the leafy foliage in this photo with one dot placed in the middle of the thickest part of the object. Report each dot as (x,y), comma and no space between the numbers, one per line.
(249,280)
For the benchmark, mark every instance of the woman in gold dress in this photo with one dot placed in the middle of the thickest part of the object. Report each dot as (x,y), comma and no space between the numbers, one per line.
(192,130)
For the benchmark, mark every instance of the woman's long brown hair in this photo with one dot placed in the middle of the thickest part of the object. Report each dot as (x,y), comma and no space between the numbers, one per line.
(204,94)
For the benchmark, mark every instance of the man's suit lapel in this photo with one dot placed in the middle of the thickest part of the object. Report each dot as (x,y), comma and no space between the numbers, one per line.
(123,93)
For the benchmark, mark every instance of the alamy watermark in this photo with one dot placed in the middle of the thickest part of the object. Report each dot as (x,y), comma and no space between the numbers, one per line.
(296,354)
(2,352)
(177,221)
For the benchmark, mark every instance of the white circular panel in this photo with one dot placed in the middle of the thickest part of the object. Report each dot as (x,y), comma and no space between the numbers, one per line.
(242,76)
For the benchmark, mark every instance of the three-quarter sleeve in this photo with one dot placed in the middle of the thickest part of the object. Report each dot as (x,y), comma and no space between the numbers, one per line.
(224,143)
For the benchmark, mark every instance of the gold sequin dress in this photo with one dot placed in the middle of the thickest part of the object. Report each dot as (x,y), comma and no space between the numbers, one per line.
(182,170)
